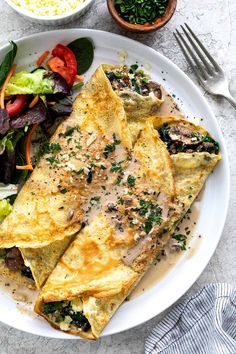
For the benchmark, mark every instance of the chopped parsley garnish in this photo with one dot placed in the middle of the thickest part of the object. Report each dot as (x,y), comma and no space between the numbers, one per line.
(111,147)
(118,180)
(87,155)
(116,167)
(78,146)
(49,148)
(95,199)
(151,212)
(131,181)
(182,240)
(134,67)
(52,160)
(63,191)
(69,131)
(78,172)
(120,200)
(72,154)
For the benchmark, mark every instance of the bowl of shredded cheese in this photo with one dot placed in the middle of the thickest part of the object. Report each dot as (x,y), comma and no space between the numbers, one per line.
(49,12)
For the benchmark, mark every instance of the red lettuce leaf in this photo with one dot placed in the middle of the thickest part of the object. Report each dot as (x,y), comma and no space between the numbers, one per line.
(4,121)
(37,114)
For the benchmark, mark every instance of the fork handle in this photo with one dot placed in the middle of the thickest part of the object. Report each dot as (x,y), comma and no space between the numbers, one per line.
(231,100)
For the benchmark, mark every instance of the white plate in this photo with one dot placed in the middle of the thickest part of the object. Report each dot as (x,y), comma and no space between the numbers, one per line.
(213,206)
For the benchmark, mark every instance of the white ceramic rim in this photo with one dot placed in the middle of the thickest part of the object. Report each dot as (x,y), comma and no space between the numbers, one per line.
(31,15)
(195,273)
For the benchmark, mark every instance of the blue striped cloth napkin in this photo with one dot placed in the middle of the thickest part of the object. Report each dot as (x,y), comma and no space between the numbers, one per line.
(202,324)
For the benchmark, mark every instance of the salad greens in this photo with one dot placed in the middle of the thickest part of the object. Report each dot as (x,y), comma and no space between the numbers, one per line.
(5,208)
(37,114)
(7,62)
(4,123)
(83,50)
(32,102)
(10,140)
(39,82)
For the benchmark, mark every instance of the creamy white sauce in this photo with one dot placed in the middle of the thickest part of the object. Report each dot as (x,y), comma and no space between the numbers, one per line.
(18,292)
(160,269)
(169,107)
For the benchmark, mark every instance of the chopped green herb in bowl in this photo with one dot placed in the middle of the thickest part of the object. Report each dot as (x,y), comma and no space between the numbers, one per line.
(141,15)
(141,11)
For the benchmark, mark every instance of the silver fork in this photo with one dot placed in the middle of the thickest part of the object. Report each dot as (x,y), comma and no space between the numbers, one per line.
(209,73)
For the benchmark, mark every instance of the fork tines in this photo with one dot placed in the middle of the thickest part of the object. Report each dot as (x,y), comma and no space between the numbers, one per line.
(202,63)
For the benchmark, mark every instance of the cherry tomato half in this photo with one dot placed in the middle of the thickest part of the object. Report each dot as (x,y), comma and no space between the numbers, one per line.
(57,65)
(16,106)
(69,69)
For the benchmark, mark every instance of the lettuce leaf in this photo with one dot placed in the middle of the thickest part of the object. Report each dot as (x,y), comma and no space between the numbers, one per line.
(24,83)
(38,82)
(5,208)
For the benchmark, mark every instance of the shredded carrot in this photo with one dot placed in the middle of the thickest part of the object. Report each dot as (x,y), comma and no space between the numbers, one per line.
(34,101)
(42,58)
(28,165)
(27,143)
(51,103)
(80,77)
(9,75)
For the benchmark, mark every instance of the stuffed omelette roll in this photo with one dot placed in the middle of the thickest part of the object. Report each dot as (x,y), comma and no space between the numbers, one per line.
(49,209)
(44,212)
(108,257)
(194,154)
(140,95)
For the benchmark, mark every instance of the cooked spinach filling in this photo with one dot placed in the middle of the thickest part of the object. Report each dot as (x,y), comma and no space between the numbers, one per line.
(62,311)
(181,138)
(134,80)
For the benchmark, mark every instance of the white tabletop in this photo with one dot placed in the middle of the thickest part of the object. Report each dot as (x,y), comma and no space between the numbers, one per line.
(215,22)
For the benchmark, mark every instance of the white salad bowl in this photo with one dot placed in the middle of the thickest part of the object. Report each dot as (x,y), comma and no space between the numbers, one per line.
(53,20)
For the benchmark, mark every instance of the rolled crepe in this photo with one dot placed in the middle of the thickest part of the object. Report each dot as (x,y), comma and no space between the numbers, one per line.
(48,211)
(194,154)
(88,285)
(140,95)
(107,258)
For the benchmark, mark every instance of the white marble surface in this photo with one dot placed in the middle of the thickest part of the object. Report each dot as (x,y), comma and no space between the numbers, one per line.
(215,22)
